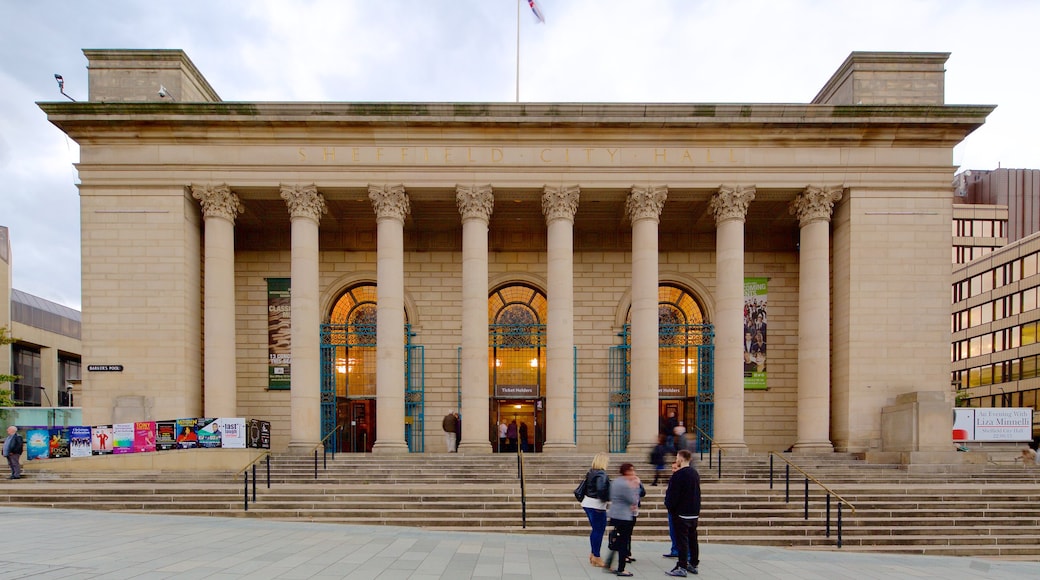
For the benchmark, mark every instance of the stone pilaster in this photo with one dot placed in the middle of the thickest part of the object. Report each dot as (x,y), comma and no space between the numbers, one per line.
(306,207)
(475,204)
(390,203)
(220,207)
(643,207)
(814,207)
(559,205)
(729,206)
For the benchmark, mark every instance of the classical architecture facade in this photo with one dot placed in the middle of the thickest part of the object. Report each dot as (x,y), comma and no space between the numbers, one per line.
(574,274)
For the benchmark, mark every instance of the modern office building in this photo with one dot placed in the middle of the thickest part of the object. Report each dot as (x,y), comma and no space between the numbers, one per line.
(355,271)
(46,352)
(995,320)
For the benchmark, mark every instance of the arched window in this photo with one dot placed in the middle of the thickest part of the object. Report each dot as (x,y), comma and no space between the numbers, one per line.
(516,316)
(354,334)
(680,320)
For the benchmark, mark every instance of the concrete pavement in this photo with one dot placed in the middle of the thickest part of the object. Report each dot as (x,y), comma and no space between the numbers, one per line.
(55,543)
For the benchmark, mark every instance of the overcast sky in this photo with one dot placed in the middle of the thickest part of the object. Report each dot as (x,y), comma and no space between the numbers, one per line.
(465,50)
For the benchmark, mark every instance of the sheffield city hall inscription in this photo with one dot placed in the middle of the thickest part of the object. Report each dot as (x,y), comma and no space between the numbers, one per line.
(546,156)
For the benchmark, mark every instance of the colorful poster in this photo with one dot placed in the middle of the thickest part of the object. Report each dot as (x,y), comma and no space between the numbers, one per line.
(144,436)
(79,441)
(208,431)
(123,438)
(165,435)
(101,439)
(187,438)
(59,442)
(37,443)
(278,325)
(755,337)
(232,433)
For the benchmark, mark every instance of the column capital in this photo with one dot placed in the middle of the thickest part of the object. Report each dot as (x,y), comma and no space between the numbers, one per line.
(217,201)
(560,203)
(304,201)
(731,202)
(389,201)
(815,204)
(646,202)
(475,201)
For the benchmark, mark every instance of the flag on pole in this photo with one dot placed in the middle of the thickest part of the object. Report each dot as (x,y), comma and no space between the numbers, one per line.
(537,11)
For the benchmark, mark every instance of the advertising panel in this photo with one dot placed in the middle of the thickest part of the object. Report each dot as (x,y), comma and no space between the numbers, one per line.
(278,326)
(123,438)
(993,424)
(756,293)
(79,441)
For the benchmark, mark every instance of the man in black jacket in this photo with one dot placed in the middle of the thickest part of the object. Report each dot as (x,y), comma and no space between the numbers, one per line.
(683,500)
(13,452)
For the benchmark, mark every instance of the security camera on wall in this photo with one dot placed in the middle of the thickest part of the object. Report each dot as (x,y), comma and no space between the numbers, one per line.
(165,94)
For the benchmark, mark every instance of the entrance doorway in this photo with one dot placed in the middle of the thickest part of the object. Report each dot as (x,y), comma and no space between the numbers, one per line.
(524,422)
(357,417)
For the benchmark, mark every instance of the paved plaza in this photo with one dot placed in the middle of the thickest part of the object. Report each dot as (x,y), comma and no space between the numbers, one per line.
(53,543)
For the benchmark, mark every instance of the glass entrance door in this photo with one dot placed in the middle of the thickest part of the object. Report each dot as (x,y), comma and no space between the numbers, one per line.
(517,423)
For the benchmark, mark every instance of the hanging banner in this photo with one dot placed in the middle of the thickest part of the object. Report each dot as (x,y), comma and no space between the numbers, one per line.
(278,325)
(755,294)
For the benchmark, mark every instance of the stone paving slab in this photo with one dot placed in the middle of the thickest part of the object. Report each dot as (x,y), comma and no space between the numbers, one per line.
(73,544)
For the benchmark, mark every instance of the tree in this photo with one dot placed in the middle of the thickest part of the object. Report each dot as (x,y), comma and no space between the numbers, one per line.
(6,399)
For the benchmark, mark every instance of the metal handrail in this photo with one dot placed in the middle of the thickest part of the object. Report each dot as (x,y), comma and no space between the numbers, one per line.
(266,455)
(523,488)
(325,453)
(808,478)
(711,442)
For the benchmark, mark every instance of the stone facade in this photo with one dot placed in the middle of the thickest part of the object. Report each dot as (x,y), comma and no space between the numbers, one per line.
(882,261)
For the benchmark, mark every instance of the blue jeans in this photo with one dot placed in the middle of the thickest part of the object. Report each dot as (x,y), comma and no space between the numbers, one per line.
(598,521)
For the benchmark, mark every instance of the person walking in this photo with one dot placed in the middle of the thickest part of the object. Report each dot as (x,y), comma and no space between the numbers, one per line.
(683,500)
(623,510)
(13,447)
(450,424)
(657,458)
(597,492)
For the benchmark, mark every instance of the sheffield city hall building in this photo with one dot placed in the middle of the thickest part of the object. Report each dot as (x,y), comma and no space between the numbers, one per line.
(775,275)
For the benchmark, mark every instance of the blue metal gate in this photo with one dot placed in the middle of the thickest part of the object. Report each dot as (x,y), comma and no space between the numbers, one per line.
(335,337)
(679,340)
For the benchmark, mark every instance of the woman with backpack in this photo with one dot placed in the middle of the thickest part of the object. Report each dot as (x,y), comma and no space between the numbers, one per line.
(597,493)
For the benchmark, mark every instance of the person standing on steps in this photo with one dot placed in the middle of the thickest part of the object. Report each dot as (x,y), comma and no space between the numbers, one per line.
(449,424)
(623,510)
(13,447)
(597,492)
(683,500)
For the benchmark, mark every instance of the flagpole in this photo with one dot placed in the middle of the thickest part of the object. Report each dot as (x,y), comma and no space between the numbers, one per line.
(518,50)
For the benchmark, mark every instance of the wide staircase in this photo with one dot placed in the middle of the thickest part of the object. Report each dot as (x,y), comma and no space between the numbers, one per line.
(993,511)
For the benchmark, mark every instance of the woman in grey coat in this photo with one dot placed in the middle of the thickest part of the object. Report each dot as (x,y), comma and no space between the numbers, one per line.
(624,507)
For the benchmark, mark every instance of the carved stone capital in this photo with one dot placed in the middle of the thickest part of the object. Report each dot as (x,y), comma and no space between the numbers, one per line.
(646,202)
(560,203)
(304,201)
(389,201)
(475,201)
(218,201)
(815,204)
(731,203)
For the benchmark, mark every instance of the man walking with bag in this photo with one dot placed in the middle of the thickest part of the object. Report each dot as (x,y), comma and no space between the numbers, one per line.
(683,500)
(450,426)
(13,452)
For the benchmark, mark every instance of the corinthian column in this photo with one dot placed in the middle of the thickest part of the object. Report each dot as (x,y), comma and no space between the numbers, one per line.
(220,206)
(475,204)
(306,206)
(559,205)
(391,206)
(643,206)
(813,208)
(729,205)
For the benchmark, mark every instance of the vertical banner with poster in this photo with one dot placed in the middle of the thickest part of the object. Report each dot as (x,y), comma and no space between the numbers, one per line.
(259,434)
(278,323)
(37,443)
(754,341)
(187,438)
(165,435)
(122,438)
(79,441)
(101,440)
(209,433)
(59,442)
(144,436)
(232,433)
